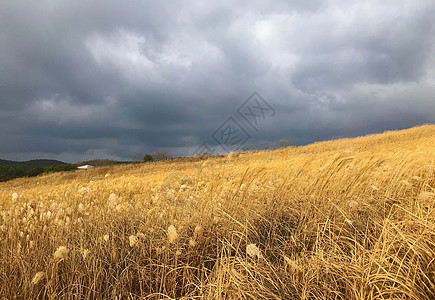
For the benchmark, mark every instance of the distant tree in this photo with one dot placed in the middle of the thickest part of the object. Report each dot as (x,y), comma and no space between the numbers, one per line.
(136,157)
(11,172)
(59,168)
(283,144)
(247,148)
(20,172)
(3,173)
(7,173)
(148,158)
(205,155)
(161,155)
(264,146)
(34,171)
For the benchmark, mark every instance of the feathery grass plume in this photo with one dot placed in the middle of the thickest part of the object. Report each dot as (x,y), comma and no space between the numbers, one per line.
(192,243)
(38,277)
(106,237)
(348,221)
(84,191)
(253,251)
(61,253)
(426,195)
(85,253)
(232,155)
(291,263)
(133,240)
(113,197)
(198,231)
(15,197)
(172,234)
(113,201)
(405,183)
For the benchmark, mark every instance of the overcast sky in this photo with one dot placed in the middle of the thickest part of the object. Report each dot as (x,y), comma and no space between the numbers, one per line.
(109,79)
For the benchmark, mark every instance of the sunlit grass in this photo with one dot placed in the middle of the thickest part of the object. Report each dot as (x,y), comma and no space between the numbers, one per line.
(346,219)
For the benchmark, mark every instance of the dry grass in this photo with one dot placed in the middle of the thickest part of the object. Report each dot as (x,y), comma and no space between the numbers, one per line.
(347,219)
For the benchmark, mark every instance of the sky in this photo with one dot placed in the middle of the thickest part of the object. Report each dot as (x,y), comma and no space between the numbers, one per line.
(111,79)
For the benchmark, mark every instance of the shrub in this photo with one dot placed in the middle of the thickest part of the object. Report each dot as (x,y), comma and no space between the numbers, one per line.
(59,168)
(161,155)
(34,171)
(148,158)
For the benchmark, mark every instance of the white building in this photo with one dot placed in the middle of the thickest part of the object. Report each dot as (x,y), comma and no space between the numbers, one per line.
(85,167)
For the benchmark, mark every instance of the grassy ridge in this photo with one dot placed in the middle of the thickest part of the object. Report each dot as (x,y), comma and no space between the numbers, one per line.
(346,219)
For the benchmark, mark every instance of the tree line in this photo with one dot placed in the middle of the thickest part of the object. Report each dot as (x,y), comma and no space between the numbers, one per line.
(12,172)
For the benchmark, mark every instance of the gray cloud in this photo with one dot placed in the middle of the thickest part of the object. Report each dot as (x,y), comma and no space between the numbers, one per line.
(84,80)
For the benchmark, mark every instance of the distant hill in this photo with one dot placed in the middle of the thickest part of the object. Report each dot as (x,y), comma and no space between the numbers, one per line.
(34,163)
(100,162)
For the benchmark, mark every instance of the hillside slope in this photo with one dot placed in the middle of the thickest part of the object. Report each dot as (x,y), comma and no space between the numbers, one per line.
(345,219)
(31,163)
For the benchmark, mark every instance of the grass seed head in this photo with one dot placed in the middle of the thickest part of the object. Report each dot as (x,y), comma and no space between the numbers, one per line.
(253,251)
(84,191)
(426,195)
(113,197)
(192,243)
(15,197)
(172,234)
(133,239)
(38,277)
(85,253)
(291,263)
(198,231)
(61,253)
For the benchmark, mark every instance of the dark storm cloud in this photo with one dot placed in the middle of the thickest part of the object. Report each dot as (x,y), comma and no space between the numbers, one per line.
(397,53)
(83,79)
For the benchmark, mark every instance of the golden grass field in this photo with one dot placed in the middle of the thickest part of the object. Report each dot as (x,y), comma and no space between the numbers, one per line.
(345,219)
